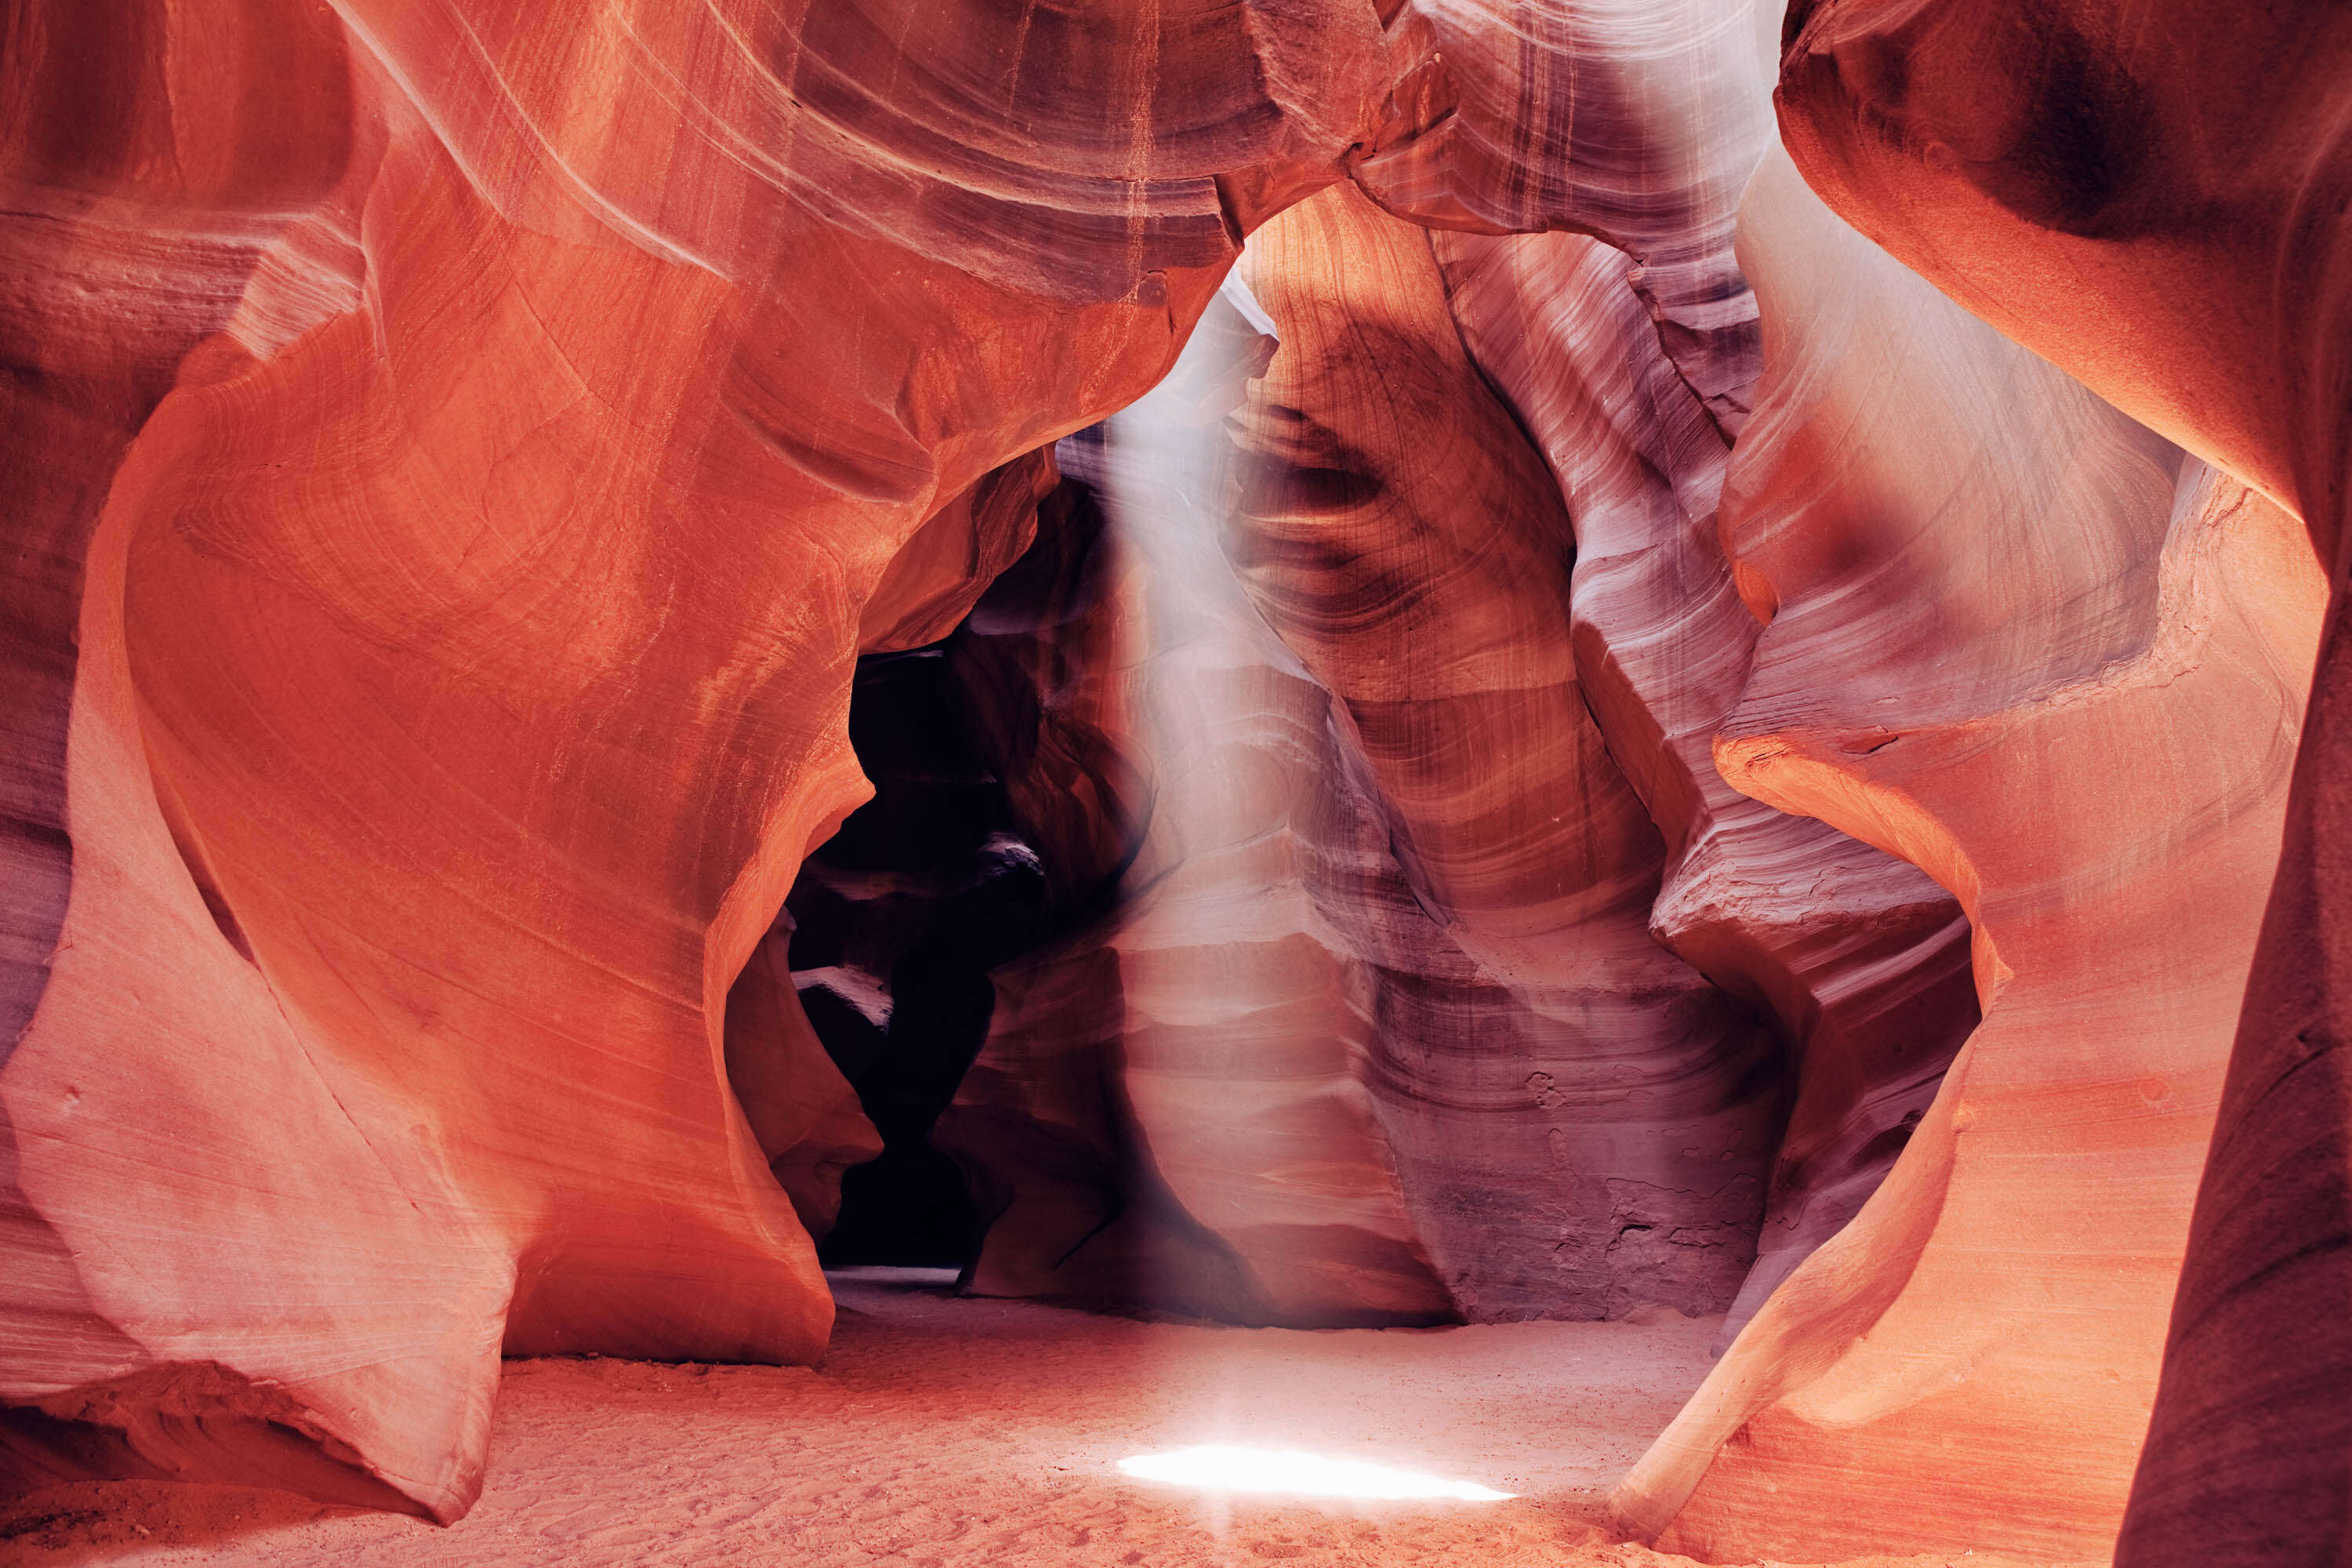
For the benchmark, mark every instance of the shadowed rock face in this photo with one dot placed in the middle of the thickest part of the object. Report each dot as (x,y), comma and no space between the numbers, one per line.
(892,927)
(1583,1122)
(1376,1031)
(2155,200)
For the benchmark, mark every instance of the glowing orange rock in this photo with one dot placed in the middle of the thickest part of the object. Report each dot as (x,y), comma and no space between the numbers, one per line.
(463,653)
(2155,201)
(2052,597)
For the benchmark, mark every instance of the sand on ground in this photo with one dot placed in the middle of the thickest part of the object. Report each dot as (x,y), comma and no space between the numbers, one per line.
(940,1432)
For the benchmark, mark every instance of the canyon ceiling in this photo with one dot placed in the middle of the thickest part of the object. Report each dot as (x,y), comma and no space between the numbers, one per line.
(1489,681)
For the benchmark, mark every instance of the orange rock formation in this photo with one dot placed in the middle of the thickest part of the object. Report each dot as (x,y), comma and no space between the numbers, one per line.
(2155,200)
(2073,588)
(459,659)
(1526,754)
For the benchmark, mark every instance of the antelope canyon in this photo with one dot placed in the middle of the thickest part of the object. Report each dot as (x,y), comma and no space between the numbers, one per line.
(917,782)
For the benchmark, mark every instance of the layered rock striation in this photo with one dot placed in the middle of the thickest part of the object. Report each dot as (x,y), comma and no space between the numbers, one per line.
(2074,588)
(1585,1122)
(1375,1030)
(2155,202)
(459,662)
(1498,789)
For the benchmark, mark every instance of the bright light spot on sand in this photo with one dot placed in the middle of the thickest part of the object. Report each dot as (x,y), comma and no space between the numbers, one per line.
(1216,1466)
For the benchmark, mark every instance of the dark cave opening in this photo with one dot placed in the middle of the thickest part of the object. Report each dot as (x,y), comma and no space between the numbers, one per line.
(898,919)
(950,872)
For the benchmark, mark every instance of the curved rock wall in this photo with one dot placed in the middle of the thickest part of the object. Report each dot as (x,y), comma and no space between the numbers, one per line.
(1244,1023)
(2155,200)
(1505,769)
(464,649)
(1170,1110)
(1356,552)
(2073,588)
(1860,959)
(1376,1030)
(1632,363)
(145,243)
(1585,1121)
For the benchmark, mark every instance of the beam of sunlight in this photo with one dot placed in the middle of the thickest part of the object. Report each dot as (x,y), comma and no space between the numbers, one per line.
(1218,1467)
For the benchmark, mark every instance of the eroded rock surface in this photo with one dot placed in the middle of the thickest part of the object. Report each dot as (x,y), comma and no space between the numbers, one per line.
(1375,1030)
(2155,201)
(2073,588)
(1585,1122)
(1508,775)
(458,665)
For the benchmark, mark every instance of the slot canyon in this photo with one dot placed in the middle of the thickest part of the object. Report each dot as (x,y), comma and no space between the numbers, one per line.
(1176,783)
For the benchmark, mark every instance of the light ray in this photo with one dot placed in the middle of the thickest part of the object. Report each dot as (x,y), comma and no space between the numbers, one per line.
(1218,1467)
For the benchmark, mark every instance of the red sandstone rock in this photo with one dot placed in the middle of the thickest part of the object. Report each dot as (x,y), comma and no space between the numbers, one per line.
(404,768)
(1378,1004)
(1860,958)
(2154,199)
(146,212)
(1870,981)
(463,651)
(2052,598)
(1635,376)
(1172,1108)
(1583,1123)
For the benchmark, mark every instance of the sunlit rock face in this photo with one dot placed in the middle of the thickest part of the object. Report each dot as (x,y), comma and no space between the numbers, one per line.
(419,740)
(1208,1045)
(135,235)
(1507,778)
(1429,598)
(2155,201)
(2040,582)
(1858,957)
(458,668)
(1632,364)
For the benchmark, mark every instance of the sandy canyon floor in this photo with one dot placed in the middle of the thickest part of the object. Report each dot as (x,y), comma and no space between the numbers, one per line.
(940,1431)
